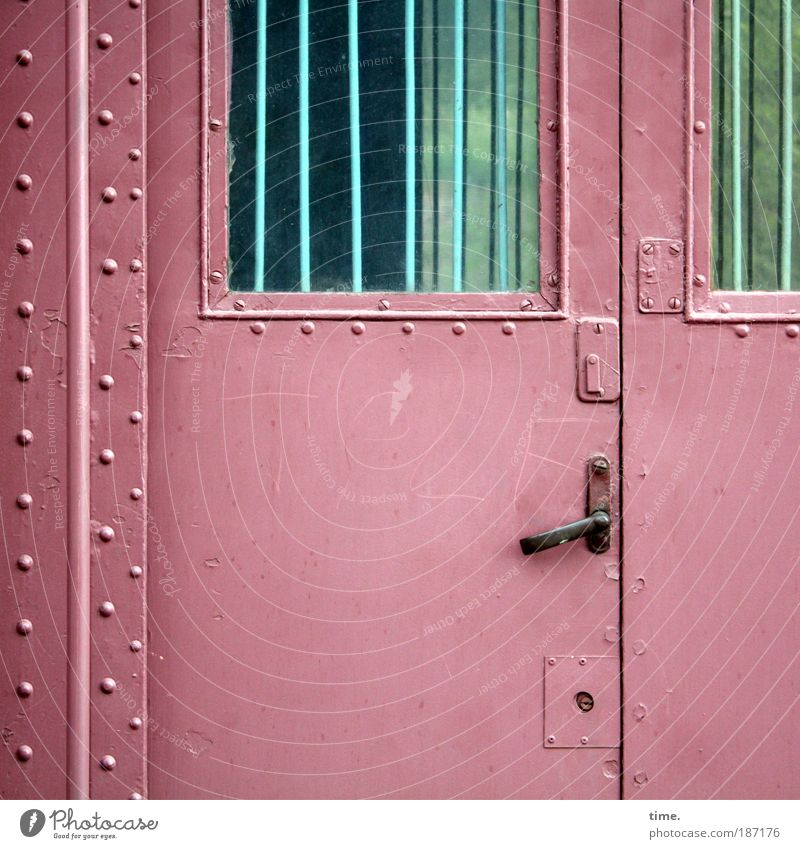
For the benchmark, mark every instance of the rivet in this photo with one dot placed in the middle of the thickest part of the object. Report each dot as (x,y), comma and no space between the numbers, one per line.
(24,627)
(106,381)
(742,330)
(109,194)
(24,500)
(135,78)
(699,280)
(674,303)
(408,327)
(136,341)
(216,277)
(108,685)
(24,182)
(106,456)
(551,125)
(307,327)
(24,246)
(135,797)
(106,533)
(675,248)
(647,248)
(105,116)
(509,328)
(459,327)
(552,279)
(108,762)
(526,305)
(24,373)
(383,304)
(551,738)
(215,124)
(358,327)
(699,126)
(106,609)
(582,661)
(724,307)
(135,723)
(136,265)
(134,153)
(109,266)
(640,778)
(24,689)
(239,305)
(136,417)
(24,437)
(104,41)
(598,328)
(24,753)
(258,327)
(24,563)
(640,712)
(136,645)
(647,303)
(136,571)
(24,57)
(551,661)
(25,119)
(792,331)
(584,741)
(639,647)
(136,193)
(593,359)
(25,309)
(136,493)
(134,4)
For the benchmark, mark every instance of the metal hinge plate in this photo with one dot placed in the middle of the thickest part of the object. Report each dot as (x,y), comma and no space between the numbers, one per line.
(660,275)
(598,360)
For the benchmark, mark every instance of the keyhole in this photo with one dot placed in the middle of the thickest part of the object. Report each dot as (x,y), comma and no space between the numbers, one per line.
(584,701)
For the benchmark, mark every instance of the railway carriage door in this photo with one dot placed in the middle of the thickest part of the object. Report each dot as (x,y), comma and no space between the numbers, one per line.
(383,349)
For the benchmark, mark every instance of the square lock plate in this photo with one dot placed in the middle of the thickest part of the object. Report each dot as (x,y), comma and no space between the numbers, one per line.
(581,702)
(661,263)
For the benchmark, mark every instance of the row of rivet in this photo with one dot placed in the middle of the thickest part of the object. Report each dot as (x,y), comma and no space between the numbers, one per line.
(359,327)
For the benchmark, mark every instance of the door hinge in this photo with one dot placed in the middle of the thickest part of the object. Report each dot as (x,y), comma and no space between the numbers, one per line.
(598,359)
(660,275)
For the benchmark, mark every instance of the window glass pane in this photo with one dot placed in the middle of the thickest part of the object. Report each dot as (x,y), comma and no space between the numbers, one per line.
(383,145)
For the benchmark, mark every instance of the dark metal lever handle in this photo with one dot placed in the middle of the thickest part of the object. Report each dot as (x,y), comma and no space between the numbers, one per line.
(595,527)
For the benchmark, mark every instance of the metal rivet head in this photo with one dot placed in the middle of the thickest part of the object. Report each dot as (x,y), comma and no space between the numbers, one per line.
(675,248)
(25,119)
(24,753)
(24,57)
(106,533)
(136,645)
(551,125)
(24,627)
(216,277)
(136,193)
(110,266)
(640,778)
(742,330)
(552,279)
(24,182)
(108,762)
(699,280)
(384,304)
(136,493)
(106,456)
(358,327)
(105,116)
(582,661)
(136,265)
(104,40)
(647,303)
(108,685)
(136,571)
(24,501)
(135,797)
(459,327)
(106,381)
(135,723)
(258,327)
(408,327)
(215,124)
(699,127)
(24,689)
(307,327)
(106,609)
(584,741)
(551,661)
(25,309)
(551,738)
(24,437)
(136,341)
(792,331)
(109,194)
(509,328)
(134,153)
(526,305)
(24,373)
(647,248)
(24,563)
(24,246)
(674,303)
(239,305)
(134,4)
(724,307)
(136,417)
(593,359)
(135,78)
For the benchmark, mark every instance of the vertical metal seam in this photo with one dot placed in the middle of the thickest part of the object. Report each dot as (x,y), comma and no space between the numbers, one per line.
(78,363)
(261,145)
(563,155)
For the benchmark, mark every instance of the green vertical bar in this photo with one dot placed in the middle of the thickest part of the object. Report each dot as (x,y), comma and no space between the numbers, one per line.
(536,141)
(458,142)
(736,144)
(261,146)
(355,140)
(785,212)
(411,177)
(500,155)
(305,203)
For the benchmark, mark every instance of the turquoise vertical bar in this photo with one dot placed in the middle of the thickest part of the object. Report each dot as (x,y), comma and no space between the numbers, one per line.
(458,143)
(785,211)
(355,140)
(305,201)
(411,159)
(736,144)
(261,146)
(500,155)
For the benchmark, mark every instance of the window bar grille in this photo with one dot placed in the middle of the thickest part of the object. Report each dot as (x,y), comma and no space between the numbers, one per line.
(305,228)
(786,130)
(411,180)
(500,155)
(435,120)
(518,139)
(458,143)
(736,144)
(751,134)
(355,140)
(261,146)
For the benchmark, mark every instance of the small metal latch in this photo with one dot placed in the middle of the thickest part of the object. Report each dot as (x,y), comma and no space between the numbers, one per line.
(598,360)
(661,275)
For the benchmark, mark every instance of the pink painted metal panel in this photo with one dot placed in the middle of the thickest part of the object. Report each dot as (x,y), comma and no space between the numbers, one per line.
(710,436)
(338,603)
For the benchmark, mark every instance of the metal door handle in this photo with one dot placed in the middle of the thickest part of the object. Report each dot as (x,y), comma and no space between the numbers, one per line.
(595,527)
